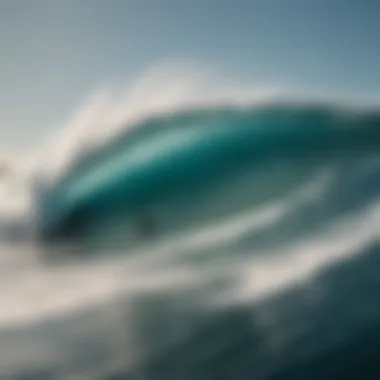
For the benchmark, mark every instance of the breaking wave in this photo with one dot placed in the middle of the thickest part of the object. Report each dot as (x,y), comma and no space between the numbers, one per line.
(264,263)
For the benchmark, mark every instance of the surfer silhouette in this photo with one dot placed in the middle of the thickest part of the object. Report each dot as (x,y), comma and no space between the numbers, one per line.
(146,225)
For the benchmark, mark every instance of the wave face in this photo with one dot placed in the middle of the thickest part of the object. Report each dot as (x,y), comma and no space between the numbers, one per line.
(187,158)
(234,243)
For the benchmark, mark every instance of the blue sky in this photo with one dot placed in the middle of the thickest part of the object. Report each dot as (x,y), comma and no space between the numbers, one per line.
(54,53)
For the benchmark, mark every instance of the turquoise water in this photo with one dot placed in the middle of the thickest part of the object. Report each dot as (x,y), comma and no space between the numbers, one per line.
(172,159)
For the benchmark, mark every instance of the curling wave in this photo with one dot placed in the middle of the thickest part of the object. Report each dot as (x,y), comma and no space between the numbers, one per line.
(173,167)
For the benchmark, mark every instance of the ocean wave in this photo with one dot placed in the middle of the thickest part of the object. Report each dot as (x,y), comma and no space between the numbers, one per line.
(265,238)
(191,149)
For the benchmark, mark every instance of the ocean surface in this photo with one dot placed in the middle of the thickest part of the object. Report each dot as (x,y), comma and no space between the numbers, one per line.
(274,276)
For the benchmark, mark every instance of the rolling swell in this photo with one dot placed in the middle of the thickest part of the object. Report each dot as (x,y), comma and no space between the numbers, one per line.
(160,159)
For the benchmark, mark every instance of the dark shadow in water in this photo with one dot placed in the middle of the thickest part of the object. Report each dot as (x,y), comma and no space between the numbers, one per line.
(295,335)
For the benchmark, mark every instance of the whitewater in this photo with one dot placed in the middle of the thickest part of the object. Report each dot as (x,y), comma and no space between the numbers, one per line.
(269,272)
